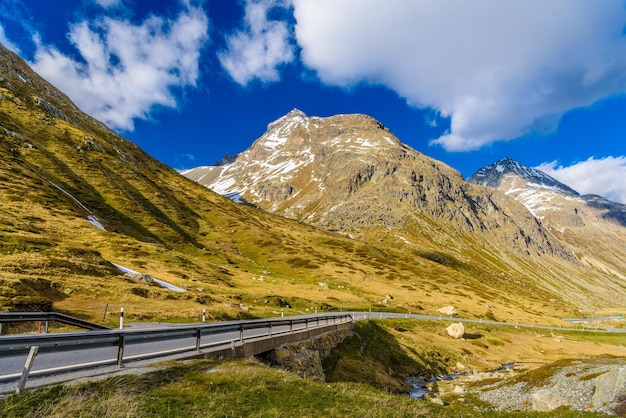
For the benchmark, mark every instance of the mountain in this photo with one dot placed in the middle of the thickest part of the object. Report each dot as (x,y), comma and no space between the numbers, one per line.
(350,174)
(594,227)
(495,174)
(88,221)
(82,208)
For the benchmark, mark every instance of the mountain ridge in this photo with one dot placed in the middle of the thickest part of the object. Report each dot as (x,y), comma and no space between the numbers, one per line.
(61,177)
(349,174)
(578,220)
(532,180)
(491,176)
(326,163)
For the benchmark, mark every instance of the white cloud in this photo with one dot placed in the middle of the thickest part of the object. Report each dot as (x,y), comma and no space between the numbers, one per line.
(7,43)
(125,69)
(260,48)
(605,176)
(498,69)
(108,3)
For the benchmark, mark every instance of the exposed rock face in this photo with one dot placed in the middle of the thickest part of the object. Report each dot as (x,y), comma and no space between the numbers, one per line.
(226,159)
(305,358)
(349,173)
(594,227)
(609,387)
(595,384)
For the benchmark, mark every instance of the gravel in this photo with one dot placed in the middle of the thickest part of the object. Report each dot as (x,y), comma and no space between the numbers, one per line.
(572,386)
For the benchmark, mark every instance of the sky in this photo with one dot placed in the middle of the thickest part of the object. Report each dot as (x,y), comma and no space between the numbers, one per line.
(465,82)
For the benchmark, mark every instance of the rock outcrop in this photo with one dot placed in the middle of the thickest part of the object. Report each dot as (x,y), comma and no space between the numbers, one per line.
(349,173)
(609,387)
(305,358)
(594,384)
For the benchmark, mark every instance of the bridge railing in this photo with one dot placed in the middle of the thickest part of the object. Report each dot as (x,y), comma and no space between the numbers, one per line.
(120,345)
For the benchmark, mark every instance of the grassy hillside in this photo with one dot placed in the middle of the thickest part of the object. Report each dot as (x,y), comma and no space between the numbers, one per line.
(59,168)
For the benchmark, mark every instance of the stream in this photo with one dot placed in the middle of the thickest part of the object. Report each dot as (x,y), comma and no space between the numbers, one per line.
(420,385)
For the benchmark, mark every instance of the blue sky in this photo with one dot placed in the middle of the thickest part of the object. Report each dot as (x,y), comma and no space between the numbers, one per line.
(466,82)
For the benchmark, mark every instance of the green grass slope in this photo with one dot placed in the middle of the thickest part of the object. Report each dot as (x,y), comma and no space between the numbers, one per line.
(59,166)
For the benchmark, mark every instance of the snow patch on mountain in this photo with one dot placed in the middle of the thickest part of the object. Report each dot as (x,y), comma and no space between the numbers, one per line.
(280,128)
(274,140)
(161,283)
(533,188)
(91,218)
(224,184)
(276,164)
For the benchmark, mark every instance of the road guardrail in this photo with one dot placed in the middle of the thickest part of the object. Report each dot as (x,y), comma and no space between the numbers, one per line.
(16,346)
(46,317)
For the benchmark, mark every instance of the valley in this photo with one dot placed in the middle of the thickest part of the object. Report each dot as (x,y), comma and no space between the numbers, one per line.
(318,215)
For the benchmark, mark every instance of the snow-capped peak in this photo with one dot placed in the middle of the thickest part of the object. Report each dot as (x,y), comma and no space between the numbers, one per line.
(279,130)
(492,175)
(294,117)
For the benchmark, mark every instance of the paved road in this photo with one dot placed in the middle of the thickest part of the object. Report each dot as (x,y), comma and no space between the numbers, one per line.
(48,361)
(139,344)
(383,315)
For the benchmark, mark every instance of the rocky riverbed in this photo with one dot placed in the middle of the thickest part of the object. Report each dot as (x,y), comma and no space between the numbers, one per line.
(590,384)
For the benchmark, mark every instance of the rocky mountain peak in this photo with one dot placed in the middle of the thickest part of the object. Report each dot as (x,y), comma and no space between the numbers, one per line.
(349,173)
(494,175)
(294,118)
(571,217)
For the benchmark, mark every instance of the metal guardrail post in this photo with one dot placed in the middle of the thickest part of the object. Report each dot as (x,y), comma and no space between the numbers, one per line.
(270,329)
(120,352)
(29,364)
(241,332)
(46,326)
(198,339)
(291,326)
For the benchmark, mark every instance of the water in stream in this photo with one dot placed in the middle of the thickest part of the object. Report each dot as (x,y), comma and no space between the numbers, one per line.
(419,385)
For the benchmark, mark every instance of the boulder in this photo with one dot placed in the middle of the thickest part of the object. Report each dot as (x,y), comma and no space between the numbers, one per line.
(608,386)
(456,330)
(447,310)
(437,401)
(140,277)
(545,400)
